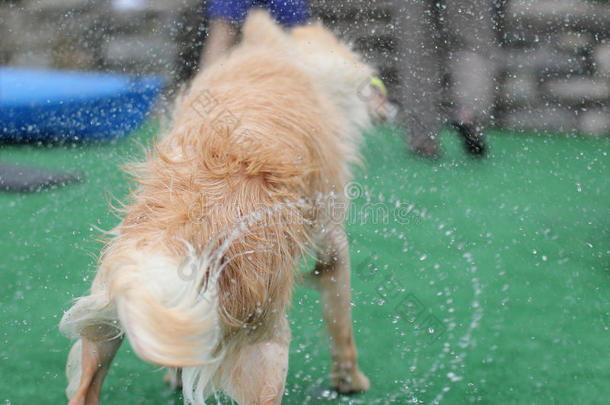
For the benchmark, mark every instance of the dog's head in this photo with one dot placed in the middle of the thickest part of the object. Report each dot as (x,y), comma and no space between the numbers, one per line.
(340,72)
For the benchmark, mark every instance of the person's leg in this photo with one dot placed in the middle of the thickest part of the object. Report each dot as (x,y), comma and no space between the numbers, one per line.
(472,43)
(420,74)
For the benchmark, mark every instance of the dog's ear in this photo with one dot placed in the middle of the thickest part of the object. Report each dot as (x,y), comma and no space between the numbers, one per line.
(261,29)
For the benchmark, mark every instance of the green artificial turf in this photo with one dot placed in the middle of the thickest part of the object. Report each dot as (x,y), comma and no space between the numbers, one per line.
(475,280)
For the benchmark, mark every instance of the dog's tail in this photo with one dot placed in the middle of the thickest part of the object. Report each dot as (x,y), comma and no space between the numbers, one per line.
(167,309)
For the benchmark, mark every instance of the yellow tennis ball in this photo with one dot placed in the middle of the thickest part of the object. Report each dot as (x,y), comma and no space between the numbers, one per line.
(378,83)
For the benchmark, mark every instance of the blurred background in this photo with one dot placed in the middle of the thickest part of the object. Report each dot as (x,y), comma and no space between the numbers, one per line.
(553,69)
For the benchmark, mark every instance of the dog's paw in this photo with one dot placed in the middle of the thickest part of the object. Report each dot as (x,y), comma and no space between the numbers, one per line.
(77,400)
(81,399)
(349,382)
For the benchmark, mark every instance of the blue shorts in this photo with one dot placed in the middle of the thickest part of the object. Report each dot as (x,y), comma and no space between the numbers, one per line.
(285,12)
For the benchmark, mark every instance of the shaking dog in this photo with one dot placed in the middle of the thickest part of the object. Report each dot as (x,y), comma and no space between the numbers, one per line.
(250,177)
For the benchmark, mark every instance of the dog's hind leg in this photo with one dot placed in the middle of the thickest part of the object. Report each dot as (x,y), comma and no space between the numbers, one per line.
(259,373)
(332,276)
(95,360)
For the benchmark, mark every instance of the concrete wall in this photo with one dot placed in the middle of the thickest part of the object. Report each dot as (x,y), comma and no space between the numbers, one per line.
(92,34)
(554,71)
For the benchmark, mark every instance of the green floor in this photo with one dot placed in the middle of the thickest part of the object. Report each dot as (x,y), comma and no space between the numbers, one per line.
(475,281)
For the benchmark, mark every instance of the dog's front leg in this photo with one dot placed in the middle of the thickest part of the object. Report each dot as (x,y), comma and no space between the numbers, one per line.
(95,362)
(332,275)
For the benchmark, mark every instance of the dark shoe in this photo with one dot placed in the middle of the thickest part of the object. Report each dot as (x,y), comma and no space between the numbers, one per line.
(473,137)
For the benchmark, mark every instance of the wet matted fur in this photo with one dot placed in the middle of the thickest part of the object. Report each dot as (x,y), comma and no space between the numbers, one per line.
(199,273)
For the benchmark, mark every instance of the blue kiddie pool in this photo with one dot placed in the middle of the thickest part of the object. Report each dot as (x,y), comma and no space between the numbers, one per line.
(55,106)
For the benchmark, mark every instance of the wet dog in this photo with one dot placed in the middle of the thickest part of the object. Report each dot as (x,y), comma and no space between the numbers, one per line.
(199,273)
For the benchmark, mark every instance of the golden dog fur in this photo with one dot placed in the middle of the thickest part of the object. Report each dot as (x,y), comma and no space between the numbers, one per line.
(199,274)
